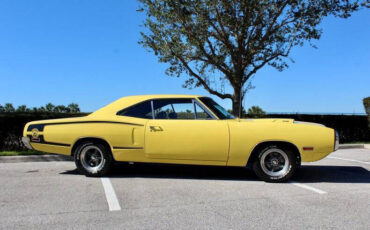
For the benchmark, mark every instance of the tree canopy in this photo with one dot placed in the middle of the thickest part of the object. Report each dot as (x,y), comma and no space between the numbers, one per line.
(218,42)
(256,111)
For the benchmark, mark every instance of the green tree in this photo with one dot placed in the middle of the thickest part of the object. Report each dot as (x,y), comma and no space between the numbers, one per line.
(9,108)
(366,102)
(256,111)
(49,107)
(60,109)
(243,113)
(2,109)
(22,108)
(74,108)
(217,41)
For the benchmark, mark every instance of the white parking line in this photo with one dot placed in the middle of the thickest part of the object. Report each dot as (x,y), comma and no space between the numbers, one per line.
(110,195)
(308,188)
(346,159)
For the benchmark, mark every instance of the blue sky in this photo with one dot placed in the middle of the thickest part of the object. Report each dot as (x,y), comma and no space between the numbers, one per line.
(86,51)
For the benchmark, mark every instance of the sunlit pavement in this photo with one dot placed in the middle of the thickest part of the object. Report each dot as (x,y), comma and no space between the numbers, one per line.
(332,193)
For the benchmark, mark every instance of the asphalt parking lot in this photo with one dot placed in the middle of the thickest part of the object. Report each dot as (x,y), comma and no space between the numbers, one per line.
(333,193)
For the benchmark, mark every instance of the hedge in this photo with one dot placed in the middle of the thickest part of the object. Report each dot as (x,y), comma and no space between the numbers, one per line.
(351,128)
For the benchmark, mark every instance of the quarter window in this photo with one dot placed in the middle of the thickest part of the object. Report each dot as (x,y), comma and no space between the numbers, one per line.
(141,110)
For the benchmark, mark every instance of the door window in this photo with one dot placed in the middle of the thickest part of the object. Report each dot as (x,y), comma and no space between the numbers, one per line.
(201,113)
(216,108)
(182,109)
(174,109)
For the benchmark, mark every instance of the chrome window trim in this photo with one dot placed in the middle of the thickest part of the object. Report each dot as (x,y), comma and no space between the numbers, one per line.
(195,110)
(194,100)
(152,105)
(204,108)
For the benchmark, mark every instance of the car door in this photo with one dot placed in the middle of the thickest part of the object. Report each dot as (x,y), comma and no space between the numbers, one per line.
(182,129)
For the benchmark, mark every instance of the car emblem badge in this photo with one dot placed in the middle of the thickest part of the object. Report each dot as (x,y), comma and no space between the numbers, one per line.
(35,135)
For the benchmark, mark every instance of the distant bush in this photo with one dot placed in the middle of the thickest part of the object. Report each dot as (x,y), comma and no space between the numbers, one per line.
(71,108)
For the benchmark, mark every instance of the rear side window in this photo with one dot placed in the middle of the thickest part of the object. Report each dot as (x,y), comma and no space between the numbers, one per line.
(141,110)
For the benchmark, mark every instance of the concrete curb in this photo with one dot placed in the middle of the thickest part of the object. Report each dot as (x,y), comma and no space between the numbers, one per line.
(351,146)
(354,146)
(34,158)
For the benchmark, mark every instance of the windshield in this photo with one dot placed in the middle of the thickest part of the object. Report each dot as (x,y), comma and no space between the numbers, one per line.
(216,108)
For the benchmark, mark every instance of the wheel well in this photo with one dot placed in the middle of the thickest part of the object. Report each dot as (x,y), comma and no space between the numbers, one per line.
(92,139)
(282,144)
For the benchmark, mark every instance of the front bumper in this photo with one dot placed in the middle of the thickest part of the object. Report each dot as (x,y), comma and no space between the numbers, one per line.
(336,143)
(26,142)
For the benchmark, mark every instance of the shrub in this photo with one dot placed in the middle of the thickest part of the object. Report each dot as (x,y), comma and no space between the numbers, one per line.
(351,128)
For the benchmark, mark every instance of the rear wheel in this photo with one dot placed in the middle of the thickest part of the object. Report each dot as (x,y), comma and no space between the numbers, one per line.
(275,164)
(93,159)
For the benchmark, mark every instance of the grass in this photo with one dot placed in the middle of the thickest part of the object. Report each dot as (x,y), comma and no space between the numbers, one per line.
(21,153)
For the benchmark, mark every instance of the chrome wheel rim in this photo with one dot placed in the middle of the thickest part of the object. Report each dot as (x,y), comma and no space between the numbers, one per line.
(274,162)
(92,159)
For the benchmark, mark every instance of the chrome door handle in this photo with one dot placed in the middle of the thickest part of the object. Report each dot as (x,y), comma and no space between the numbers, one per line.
(156,129)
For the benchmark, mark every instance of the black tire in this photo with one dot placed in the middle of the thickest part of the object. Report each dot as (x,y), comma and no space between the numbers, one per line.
(273,158)
(98,152)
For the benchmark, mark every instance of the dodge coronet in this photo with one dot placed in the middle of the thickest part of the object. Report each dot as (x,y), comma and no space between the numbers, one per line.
(181,129)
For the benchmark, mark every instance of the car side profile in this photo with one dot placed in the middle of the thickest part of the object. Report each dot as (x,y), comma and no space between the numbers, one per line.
(181,129)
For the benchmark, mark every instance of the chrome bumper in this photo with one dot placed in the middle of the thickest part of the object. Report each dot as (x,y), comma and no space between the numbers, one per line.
(336,145)
(26,142)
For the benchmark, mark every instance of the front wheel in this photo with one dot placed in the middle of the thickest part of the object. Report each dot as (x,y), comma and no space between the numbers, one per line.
(93,159)
(275,164)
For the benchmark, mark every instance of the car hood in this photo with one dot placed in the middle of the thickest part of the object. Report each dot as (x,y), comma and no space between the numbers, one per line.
(268,120)
(277,121)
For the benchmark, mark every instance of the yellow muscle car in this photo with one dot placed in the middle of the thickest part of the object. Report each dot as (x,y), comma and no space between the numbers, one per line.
(181,129)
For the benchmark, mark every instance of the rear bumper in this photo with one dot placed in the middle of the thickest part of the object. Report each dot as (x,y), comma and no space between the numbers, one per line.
(336,143)
(26,142)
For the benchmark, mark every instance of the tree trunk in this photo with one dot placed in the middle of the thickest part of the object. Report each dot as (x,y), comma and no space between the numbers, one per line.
(237,103)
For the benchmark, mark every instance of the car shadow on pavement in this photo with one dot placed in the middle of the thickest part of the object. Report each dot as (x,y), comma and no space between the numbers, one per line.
(334,174)
(306,173)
